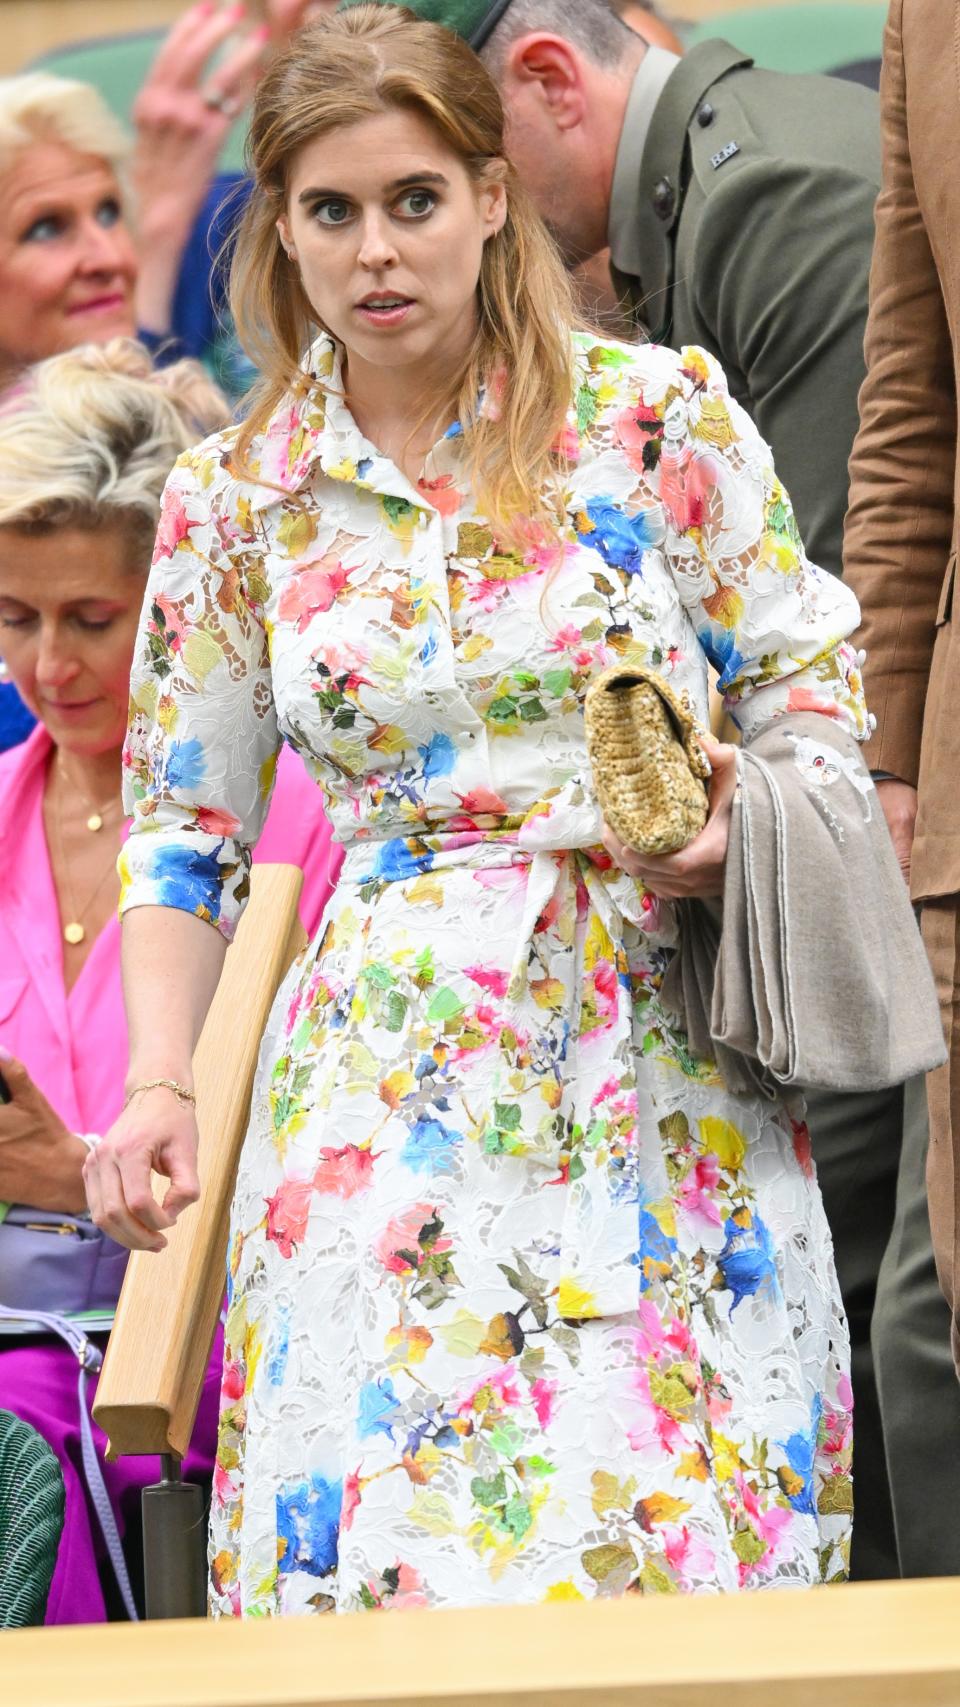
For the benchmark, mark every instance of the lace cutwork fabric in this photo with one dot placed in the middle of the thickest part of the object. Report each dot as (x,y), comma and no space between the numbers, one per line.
(524,1305)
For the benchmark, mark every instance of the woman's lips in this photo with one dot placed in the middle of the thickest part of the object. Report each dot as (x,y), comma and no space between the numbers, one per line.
(386,316)
(69,708)
(100,304)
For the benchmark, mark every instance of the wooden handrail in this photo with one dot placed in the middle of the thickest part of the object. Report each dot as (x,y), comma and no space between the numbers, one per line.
(873,1645)
(155,1363)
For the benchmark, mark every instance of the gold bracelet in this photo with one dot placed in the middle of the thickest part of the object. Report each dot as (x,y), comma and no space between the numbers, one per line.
(180,1091)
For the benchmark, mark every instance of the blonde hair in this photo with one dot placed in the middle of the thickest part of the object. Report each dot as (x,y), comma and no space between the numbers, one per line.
(38,107)
(354,66)
(88,438)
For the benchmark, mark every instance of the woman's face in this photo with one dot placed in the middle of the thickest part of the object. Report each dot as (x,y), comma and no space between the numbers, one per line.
(388,230)
(67,261)
(69,610)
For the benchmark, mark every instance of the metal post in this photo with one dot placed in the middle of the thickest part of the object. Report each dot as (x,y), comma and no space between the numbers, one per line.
(174,1545)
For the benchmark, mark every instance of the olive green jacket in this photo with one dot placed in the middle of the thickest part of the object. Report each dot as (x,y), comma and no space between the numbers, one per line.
(756,200)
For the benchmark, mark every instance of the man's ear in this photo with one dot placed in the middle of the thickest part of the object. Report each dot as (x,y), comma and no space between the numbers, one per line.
(552,68)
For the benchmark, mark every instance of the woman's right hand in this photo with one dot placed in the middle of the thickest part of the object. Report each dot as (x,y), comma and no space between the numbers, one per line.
(156,1133)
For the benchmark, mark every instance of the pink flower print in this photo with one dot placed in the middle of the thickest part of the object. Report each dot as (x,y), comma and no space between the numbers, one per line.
(287,1213)
(650,1335)
(442,494)
(311,592)
(351,1498)
(771,1525)
(566,446)
(173,527)
(811,699)
(489,978)
(224,1488)
(688,1556)
(609,1088)
(543,1393)
(233,1384)
(686,482)
(696,1192)
(409,1590)
(605,984)
(501,1385)
(216,822)
(173,623)
(566,638)
(398,1247)
(483,801)
(656,1425)
(342,1173)
(633,428)
(802,1147)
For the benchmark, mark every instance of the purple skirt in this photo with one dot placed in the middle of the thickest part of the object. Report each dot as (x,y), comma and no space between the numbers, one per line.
(38,1382)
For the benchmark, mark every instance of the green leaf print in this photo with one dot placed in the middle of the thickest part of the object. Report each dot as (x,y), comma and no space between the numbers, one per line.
(396,508)
(506,1437)
(532,711)
(654,1580)
(395,1011)
(557,682)
(445,1005)
(517,1517)
(379,975)
(586,408)
(507,1115)
(748,1546)
(489,1491)
(600,1563)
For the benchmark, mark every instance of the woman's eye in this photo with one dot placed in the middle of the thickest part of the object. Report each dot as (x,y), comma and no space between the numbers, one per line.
(109,212)
(42,230)
(14,621)
(94,624)
(332,212)
(416,203)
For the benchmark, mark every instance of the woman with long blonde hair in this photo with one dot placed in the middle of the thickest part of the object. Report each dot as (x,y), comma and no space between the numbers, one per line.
(524,1304)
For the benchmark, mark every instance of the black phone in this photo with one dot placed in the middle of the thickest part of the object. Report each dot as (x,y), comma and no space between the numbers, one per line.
(4,1090)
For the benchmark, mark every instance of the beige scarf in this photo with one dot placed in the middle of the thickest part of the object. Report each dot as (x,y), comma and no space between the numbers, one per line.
(813,971)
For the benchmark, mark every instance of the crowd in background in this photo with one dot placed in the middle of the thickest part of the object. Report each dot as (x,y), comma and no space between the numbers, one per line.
(117,353)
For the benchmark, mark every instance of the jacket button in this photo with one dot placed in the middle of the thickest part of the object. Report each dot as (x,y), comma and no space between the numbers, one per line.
(705,115)
(663,199)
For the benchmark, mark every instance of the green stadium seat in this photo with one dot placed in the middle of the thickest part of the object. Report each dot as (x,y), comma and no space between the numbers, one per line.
(31,1521)
(815,37)
(117,66)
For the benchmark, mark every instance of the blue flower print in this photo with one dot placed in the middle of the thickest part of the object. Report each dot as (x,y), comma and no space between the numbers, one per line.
(620,539)
(396,860)
(378,1408)
(429,1148)
(308,1526)
(186,764)
(439,757)
(188,879)
(747,1262)
(721,649)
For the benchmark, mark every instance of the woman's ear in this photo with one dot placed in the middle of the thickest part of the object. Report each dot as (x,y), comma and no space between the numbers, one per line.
(283,227)
(492,199)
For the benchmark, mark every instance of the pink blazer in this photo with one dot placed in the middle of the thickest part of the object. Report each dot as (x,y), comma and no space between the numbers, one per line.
(75,1046)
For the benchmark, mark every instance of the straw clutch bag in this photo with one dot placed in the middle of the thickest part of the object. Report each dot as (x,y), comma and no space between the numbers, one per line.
(649,769)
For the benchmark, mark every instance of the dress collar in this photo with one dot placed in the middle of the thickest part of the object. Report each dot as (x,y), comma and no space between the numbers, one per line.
(313,427)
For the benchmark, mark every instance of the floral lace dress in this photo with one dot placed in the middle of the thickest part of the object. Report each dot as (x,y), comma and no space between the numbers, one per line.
(523,1304)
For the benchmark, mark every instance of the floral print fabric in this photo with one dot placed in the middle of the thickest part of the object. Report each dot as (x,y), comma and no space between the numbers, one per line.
(523,1303)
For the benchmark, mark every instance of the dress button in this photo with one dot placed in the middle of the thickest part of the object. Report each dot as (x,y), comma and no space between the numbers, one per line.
(705,115)
(663,199)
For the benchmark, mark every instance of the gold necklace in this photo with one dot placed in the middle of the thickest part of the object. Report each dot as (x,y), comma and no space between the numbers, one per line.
(74,931)
(95,820)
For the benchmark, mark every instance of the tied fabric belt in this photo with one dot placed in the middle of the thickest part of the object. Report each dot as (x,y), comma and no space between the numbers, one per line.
(586,934)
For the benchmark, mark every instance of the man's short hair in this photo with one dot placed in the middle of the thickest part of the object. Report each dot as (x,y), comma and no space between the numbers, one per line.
(591,25)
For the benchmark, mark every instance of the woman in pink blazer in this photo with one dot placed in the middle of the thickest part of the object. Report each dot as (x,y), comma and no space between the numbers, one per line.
(86,442)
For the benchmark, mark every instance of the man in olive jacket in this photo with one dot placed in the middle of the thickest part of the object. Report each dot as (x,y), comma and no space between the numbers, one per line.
(738,207)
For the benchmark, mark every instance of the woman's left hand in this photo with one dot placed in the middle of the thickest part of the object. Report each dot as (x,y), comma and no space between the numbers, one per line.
(697,870)
(40,1158)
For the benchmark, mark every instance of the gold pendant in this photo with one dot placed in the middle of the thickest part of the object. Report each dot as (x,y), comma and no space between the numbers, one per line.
(74,933)
(94,822)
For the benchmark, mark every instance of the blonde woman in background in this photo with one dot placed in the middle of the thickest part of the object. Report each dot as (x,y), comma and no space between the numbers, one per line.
(86,442)
(524,1305)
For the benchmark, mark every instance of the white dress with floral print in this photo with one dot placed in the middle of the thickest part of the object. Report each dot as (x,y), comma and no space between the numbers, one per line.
(524,1305)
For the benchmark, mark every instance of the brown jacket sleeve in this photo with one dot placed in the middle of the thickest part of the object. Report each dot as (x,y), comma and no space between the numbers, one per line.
(900,519)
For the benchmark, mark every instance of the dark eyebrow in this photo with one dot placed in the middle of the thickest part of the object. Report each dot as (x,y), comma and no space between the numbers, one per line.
(412,181)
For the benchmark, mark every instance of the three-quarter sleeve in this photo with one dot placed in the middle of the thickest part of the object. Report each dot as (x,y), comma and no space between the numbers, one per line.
(202,743)
(774,626)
